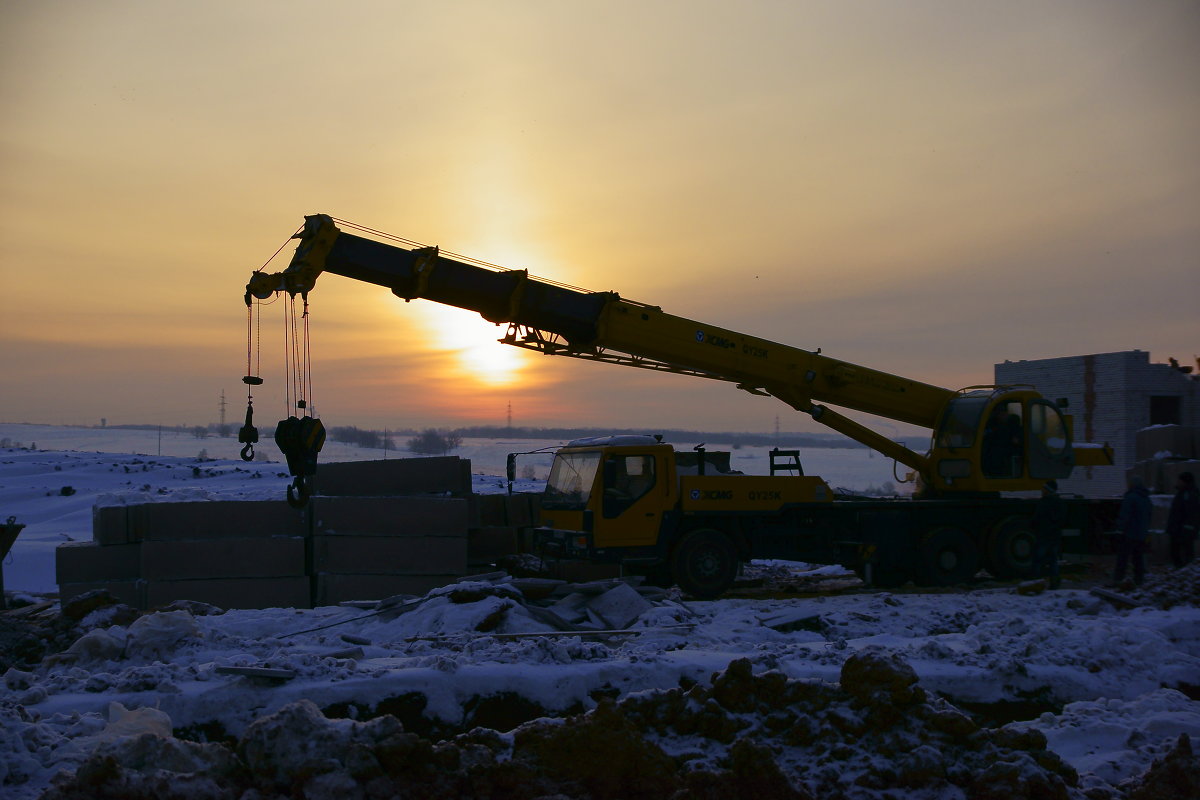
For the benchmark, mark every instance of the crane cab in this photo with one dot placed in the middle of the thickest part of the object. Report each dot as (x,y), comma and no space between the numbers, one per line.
(997,440)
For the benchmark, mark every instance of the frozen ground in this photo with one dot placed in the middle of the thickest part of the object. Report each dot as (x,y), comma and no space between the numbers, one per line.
(1110,690)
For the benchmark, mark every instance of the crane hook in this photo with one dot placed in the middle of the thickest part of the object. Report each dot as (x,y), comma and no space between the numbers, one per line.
(248,435)
(298,492)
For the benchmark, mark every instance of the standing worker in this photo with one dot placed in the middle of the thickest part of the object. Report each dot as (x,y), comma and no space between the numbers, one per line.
(1134,523)
(1048,518)
(1183,520)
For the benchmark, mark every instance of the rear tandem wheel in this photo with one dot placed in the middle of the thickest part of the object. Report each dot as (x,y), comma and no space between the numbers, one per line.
(1010,549)
(704,563)
(946,556)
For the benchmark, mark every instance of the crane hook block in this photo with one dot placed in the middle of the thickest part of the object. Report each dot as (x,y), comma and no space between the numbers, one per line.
(248,435)
(252,380)
(300,440)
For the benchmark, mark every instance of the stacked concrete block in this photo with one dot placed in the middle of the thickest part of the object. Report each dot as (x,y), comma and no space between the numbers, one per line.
(368,548)
(1164,452)
(405,476)
(500,526)
(83,566)
(231,554)
(375,529)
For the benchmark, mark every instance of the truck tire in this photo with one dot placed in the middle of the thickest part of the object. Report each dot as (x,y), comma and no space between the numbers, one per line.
(946,556)
(704,563)
(1010,549)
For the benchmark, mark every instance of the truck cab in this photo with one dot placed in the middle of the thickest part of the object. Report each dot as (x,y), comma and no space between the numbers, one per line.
(610,491)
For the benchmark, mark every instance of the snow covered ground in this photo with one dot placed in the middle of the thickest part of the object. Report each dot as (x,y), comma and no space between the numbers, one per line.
(1110,689)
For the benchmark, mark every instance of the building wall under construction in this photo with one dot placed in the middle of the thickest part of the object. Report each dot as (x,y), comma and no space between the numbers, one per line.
(1111,397)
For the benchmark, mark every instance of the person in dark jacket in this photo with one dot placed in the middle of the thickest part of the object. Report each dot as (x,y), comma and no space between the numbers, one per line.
(1134,524)
(1048,517)
(1183,520)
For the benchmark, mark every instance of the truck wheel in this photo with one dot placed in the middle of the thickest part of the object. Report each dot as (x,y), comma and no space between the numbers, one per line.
(946,556)
(704,563)
(1010,549)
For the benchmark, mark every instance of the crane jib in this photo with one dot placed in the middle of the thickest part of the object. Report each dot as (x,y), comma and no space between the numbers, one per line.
(499,296)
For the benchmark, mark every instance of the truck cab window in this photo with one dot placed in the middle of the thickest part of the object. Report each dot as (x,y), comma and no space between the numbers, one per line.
(571,479)
(633,476)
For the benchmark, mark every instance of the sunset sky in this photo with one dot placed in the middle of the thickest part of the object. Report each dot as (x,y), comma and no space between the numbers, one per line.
(926,187)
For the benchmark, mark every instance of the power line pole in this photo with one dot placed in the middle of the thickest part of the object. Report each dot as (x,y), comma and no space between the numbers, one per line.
(510,415)
(221,405)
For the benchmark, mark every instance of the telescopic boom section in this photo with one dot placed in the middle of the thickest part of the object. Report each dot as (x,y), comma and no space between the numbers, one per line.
(562,320)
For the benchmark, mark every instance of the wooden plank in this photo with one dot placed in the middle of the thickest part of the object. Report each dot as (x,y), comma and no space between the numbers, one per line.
(257,672)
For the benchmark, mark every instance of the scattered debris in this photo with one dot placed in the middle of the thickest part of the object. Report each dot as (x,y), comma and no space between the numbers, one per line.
(1033,587)
(1180,587)
(257,672)
(1116,598)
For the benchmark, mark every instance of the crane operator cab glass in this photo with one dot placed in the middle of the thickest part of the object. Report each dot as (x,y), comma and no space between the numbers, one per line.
(1002,443)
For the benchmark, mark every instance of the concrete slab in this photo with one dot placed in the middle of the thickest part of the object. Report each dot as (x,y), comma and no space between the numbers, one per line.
(619,606)
(394,477)
(519,510)
(389,516)
(487,510)
(110,525)
(291,592)
(258,557)
(1166,441)
(214,520)
(337,588)
(130,592)
(485,545)
(88,562)
(404,555)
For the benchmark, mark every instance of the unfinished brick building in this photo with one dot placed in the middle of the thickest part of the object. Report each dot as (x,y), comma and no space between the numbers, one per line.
(1111,396)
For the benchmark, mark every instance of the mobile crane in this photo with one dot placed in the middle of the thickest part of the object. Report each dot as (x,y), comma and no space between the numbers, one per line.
(627,499)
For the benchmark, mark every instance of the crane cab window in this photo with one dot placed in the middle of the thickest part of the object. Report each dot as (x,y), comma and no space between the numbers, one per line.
(1050,453)
(961,422)
(1004,441)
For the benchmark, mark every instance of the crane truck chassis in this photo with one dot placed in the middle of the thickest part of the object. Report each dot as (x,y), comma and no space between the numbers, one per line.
(628,500)
(694,527)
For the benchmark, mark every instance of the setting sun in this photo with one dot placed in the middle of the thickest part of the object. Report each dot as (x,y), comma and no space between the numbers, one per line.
(473,343)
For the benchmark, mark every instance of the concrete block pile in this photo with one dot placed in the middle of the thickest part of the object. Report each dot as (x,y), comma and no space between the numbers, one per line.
(374,529)
(1163,452)
(227,553)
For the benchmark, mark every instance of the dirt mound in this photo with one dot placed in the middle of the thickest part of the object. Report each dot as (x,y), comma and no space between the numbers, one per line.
(744,734)
(1179,587)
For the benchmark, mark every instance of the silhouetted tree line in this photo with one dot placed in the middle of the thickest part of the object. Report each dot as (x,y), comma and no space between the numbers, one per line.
(360,437)
(432,442)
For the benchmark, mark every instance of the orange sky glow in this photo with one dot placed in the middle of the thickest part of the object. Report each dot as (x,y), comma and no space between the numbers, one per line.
(927,187)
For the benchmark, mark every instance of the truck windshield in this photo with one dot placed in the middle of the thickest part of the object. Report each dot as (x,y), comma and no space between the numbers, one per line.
(571,479)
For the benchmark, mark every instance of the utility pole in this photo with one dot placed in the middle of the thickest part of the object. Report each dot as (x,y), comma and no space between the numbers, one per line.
(221,405)
(510,416)
(776,430)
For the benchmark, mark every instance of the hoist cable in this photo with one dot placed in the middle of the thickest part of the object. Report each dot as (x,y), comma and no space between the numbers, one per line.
(308,363)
